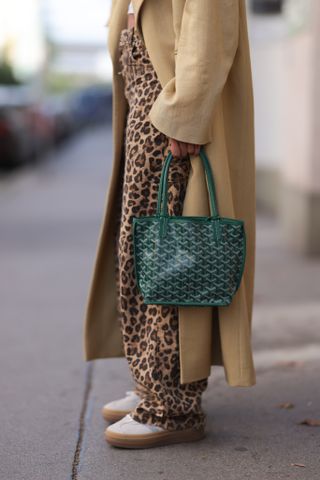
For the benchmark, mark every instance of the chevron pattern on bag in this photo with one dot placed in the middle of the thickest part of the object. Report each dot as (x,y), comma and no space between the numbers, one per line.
(197,261)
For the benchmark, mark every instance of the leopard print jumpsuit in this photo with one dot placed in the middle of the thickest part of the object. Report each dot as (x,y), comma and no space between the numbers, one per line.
(149,332)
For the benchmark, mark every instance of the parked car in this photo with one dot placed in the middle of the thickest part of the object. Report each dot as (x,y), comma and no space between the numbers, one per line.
(58,109)
(41,127)
(29,127)
(91,105)
(15,142)
(26,132)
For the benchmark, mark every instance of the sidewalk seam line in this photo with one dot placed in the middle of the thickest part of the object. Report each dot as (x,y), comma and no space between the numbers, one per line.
(82,426)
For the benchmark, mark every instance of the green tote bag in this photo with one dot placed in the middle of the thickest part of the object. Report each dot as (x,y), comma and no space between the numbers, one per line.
(188,260)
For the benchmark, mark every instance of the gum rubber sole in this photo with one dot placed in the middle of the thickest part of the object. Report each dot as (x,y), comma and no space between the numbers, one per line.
(156,439)
(114,415)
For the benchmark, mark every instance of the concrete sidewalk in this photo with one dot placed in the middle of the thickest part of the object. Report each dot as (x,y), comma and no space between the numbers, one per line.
(51,427)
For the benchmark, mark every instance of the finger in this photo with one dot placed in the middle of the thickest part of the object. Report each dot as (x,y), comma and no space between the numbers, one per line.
(175,149)
(179,154)
(183,149)
(171,146)
(197,149)
(191,148)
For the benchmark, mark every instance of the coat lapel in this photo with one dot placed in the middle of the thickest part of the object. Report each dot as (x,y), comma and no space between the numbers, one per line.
(137,4)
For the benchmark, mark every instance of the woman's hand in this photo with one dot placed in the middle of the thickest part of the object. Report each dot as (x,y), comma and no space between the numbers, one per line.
(183,149)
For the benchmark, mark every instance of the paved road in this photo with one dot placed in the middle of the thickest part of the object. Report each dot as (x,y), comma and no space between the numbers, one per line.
(50,399)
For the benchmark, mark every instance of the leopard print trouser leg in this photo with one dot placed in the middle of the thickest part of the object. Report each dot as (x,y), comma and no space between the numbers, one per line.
(150,332)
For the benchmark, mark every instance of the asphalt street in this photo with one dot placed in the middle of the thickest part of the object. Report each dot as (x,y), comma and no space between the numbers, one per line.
(51,427)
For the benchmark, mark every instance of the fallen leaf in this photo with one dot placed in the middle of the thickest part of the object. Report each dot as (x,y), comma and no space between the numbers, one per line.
(286,405)
(298,464)
(311,422)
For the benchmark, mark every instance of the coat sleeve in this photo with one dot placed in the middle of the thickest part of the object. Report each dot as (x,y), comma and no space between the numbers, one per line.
(206,48)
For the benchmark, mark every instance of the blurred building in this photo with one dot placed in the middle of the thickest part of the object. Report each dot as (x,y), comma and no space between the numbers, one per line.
(78,48)
(37,35)
(22,42)
(89,60)
(286,69)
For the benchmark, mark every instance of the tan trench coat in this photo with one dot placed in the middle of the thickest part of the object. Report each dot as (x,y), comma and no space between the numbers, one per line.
(199,49)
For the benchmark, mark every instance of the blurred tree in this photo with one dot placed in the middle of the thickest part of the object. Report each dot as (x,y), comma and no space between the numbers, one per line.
(7,75)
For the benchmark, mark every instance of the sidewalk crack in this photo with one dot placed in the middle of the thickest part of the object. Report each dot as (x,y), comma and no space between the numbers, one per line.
(82,426)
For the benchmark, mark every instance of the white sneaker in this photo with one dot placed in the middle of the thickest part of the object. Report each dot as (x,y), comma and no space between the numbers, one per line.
(130,426)
(117,409)
(128,433)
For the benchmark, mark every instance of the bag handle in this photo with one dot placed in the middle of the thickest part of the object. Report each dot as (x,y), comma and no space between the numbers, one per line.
(162,205)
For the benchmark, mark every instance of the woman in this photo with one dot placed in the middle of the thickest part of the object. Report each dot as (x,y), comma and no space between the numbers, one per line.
(182,79)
